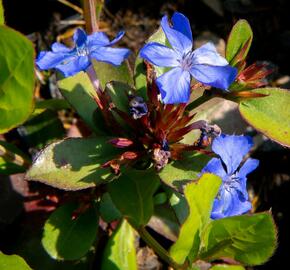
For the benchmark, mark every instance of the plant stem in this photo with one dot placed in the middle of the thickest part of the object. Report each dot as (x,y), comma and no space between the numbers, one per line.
(14,158)
(207,95)
(90,16)
(160,251)
(96,84)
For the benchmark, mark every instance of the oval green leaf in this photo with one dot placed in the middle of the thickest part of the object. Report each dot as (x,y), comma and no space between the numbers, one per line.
(16,78)
(79,92)
(132,193)
(65,238)
(250,240)
(200,196)
(270,115)
(74,163)
(240,35)
(179,172)
(2,20)
(120,252)
(107,73)
(12,262)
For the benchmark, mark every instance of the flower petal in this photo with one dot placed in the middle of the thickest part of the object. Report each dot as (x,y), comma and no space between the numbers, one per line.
(117,38)
(47,60)
(232,149)
(60,48)
(80,37)
(182,25)
(208,55)
(229,204)
(74,66)
(98,39)
(101,39)
(114,56)
(174,86)
(159,55)
(215,166)
(249,166)
(178,38)
(217,76)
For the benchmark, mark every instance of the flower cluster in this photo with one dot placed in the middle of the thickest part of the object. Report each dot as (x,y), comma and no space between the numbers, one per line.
(204,64)
(232,198)
(70,61)
(155,127)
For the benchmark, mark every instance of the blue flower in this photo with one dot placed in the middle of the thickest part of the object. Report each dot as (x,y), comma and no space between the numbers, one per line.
(204,63)
(70,61)
(232,198)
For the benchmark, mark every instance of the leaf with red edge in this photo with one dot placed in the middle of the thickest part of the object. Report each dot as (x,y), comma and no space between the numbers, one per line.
(270,115)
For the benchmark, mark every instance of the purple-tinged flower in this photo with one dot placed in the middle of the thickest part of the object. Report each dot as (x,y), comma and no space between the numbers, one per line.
(70,61)
(204,63)
(232,198)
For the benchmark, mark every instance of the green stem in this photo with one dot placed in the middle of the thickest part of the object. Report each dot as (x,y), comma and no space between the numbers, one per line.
(160,251)
(206,96)
(14,158)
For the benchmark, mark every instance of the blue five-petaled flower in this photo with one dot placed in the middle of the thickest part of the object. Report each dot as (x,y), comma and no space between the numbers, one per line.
(204,63)
(70,61)
(232,198)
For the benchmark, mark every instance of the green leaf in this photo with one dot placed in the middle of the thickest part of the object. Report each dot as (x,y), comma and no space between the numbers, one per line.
(241,34)
(200,196)
(180,172)
(120,252)
(269,115)
(42,129)
(179,204)
(107,73)
(12,160)
(80,93)
(12,262)
(133,193)
(108,210)
(16,78)
(227,267)
(74,163)
(164,222)
(2,19)
(52,104)
(250,240)
(65,238)
(119,93)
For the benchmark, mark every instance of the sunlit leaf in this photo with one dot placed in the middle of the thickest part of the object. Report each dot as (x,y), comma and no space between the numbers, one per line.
(240,36)
(179,172)
(2,19)
(200,196)
(12,262)
(16,78)
(107,73)
(269,115)
(73,164)
(250,240)
(120,252)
